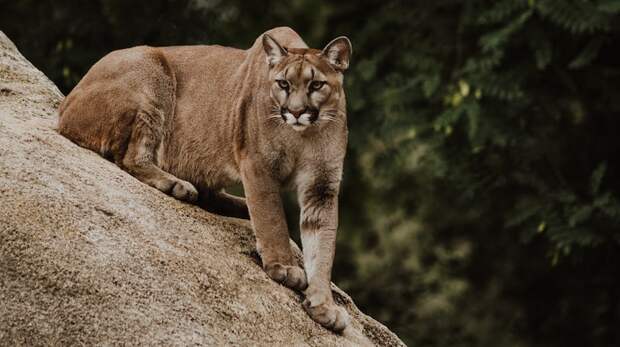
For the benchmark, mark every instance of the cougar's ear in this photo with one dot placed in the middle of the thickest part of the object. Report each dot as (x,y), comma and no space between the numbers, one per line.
(338,53)
(275,52)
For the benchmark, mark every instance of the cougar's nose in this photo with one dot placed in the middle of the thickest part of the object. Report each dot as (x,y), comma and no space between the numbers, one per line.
(297,113)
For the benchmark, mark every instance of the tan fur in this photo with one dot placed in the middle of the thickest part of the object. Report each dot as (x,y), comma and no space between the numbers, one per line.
(192,120)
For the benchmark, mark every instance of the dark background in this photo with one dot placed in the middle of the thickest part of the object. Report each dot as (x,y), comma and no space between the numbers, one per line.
(480,204)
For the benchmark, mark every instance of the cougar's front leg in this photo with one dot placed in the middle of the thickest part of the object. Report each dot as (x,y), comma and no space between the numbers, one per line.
(319,222)
(267,216)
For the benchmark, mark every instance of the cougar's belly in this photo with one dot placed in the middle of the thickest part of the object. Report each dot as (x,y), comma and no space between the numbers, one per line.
(206,167)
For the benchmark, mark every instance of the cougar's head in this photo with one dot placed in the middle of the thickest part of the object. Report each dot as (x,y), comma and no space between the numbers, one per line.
(306,84)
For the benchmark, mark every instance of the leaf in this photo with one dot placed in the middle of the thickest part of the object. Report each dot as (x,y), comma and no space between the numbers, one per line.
(565,196)
(587,55)
(581,215)
(522,215)
(448,117)
(541,46)
(497,38)
(430,85)
(597,178)
(473,116)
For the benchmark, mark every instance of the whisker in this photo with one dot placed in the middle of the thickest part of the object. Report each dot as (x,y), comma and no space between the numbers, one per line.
(275,117)
(334,112)
(330,117)
(329,114)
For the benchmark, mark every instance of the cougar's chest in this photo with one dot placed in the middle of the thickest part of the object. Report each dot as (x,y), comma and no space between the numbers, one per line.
(281,164)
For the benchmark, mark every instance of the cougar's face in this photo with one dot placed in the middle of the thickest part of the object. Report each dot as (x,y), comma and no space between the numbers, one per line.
(306,87)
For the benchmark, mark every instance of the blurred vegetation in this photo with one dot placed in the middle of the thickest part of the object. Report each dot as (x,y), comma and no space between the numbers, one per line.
(480,204)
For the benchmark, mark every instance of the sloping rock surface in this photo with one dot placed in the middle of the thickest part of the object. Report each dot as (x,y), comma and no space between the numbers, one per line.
(89,255)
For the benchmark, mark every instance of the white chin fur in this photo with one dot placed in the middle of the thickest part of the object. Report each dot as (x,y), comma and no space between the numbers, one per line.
(298,124)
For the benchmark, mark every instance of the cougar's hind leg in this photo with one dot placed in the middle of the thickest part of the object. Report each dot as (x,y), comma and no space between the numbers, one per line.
(140,157)
(222,203)
(229,205)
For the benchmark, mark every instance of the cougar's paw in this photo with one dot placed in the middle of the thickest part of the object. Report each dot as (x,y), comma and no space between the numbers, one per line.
(185,191)
(293,277)
(326,312)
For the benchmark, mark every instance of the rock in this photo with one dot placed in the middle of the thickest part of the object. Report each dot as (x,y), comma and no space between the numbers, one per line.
(90,255)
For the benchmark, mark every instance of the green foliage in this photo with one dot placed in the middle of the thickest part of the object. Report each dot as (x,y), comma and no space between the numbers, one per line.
(481,203)
(496,133)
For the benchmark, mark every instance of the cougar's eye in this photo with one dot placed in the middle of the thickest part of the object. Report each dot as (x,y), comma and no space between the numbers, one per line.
(316,85)
(283,84)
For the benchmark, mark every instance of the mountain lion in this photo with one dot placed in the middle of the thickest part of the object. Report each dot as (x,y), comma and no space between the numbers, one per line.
(191,120)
